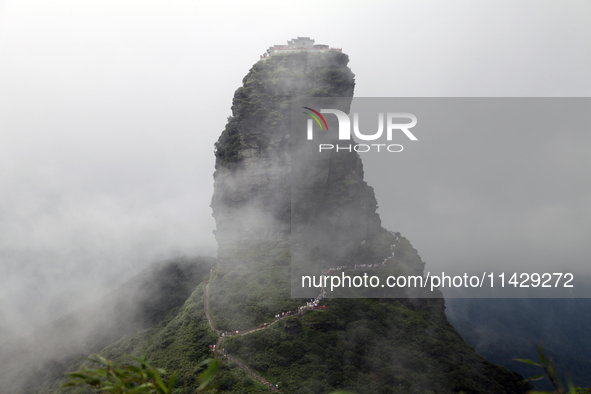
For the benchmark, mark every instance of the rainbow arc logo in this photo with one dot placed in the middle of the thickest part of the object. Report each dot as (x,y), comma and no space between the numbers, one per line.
(316,118)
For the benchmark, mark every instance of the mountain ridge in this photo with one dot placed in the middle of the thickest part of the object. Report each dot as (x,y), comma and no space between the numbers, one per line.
(253,280)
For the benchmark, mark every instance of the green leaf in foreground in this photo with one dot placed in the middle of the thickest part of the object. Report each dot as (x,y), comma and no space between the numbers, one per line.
(129,379)
(546,365)
(207,377)
(526,361)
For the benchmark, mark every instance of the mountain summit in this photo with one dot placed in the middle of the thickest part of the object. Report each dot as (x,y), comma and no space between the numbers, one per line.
(362,345)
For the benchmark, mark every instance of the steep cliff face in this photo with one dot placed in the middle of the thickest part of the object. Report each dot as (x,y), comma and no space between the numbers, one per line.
(364,345)
(251,201)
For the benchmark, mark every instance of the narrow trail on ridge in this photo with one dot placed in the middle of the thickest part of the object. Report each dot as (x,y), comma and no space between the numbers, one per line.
(229,357)
(210,320)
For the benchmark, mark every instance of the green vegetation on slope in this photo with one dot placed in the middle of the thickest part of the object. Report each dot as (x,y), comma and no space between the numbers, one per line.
(179,343)
(363,345)
(242,298)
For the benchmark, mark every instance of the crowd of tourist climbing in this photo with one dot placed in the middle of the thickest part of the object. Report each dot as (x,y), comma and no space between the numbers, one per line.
(312,304)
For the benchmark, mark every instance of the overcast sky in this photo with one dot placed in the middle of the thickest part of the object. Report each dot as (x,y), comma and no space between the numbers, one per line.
(109,111)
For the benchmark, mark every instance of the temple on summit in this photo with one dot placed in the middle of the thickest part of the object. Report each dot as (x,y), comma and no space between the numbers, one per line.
(297,45)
